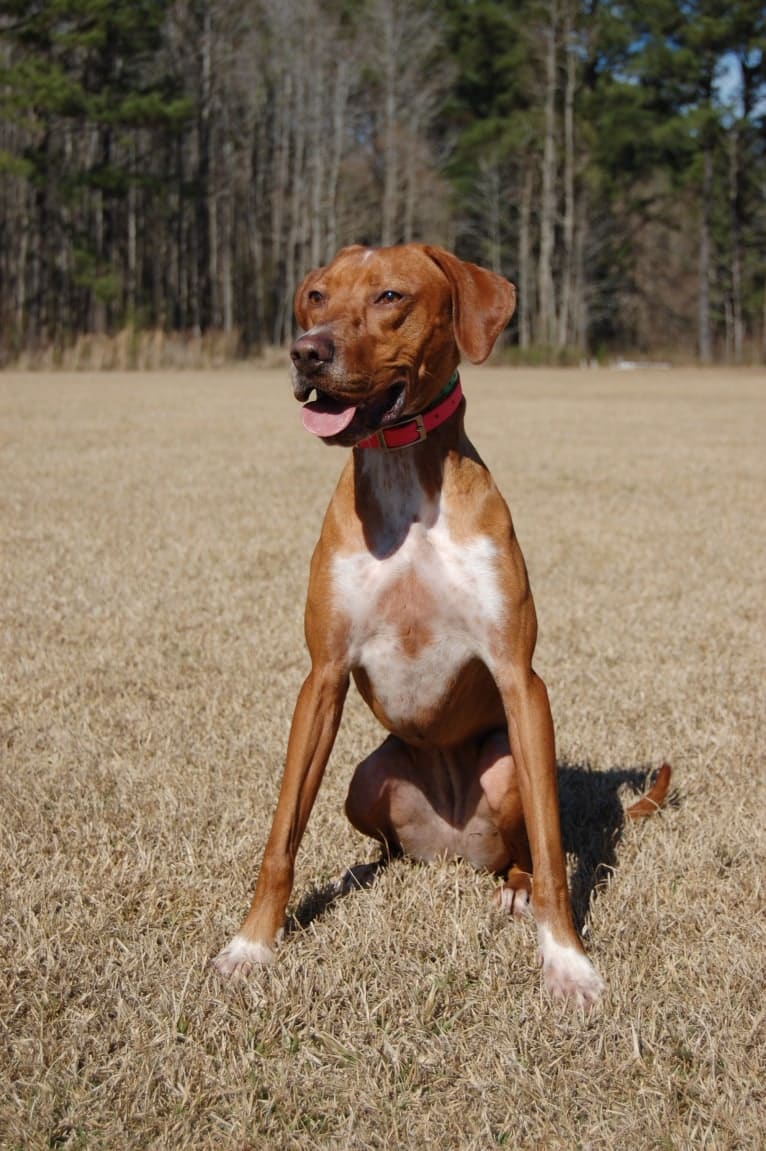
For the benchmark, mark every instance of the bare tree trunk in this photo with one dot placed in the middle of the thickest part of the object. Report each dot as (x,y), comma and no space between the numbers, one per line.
(297,209)
(735,211)
(580,297)
(35,311)
(257,195)
(21,269)
(412,147)
(526,287)
(339,105)
(21,280)
(182,310)
(564,323)
(207,215)
(255,240)
(212,256)
(728,330)
(131,245)
(492,203)
(97,306)
(390,143)
(546,303)
(158,295)
(227,212)
(279,192)
(704,332)
(315,167)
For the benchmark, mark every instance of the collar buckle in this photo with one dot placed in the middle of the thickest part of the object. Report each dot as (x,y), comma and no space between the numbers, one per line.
(416,423)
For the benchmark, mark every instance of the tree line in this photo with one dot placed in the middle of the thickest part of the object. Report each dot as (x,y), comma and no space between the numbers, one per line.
(177,165)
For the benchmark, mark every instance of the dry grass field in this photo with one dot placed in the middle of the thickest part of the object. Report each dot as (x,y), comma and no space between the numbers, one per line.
(155,531)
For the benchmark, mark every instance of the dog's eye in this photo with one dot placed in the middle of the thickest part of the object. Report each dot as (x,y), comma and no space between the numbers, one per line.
(389,297)
(315,297)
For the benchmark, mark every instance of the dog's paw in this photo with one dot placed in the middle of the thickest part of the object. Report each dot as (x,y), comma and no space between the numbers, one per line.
(239,957)
(568,974)
(513,900)
(515,896)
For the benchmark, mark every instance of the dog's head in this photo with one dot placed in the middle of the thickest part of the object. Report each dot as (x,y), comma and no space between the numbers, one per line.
(385,329)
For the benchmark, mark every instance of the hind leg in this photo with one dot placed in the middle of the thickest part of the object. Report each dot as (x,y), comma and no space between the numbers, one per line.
(393,798)
(497,776)
(427,802)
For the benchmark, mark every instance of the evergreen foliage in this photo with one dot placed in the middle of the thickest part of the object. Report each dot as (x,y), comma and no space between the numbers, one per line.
(180,166)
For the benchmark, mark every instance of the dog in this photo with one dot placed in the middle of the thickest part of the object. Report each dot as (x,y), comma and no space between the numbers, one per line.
(418,591)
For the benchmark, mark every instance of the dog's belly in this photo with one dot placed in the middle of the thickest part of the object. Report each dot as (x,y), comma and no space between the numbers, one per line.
(419,623)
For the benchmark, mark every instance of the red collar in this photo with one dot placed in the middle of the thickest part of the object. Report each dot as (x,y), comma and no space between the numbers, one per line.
(415,429)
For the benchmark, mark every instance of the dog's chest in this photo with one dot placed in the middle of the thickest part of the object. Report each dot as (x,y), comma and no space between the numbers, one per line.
(417,616)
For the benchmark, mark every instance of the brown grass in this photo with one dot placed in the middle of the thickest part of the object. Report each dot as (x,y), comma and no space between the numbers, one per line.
(156,531)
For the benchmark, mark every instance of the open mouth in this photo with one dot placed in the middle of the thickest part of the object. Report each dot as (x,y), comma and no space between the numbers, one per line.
(330,417)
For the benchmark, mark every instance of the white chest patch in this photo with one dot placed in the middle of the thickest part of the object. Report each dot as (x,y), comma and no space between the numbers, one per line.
(418,615)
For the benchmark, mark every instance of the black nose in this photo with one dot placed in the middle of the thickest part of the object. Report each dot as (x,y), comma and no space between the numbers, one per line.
(311,352)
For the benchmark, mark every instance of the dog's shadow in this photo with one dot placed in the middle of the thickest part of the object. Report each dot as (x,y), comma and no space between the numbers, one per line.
(592,822)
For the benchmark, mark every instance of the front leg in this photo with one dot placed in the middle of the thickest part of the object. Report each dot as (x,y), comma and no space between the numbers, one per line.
(315,724)
(567,971)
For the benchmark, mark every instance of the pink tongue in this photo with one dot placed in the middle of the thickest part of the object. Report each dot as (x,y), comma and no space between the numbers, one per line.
(326,417)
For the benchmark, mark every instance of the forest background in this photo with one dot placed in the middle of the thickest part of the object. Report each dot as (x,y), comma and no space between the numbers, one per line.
(175,167)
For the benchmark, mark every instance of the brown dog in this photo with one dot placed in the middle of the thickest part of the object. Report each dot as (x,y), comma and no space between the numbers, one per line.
(418,590)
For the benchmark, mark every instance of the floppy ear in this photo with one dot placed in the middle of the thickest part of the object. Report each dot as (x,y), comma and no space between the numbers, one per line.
(482,303)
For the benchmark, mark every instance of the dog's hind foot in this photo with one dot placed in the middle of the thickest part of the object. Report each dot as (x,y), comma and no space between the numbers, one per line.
(515,896)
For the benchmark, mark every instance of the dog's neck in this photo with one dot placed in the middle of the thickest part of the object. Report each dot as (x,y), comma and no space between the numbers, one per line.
(394,490)
(414,429)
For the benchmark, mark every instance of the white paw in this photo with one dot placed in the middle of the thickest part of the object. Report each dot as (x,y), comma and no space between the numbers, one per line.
(239,957)
(568,973)
(514,901)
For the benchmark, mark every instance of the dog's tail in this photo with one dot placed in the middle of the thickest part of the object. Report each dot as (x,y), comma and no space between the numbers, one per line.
(654,798)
